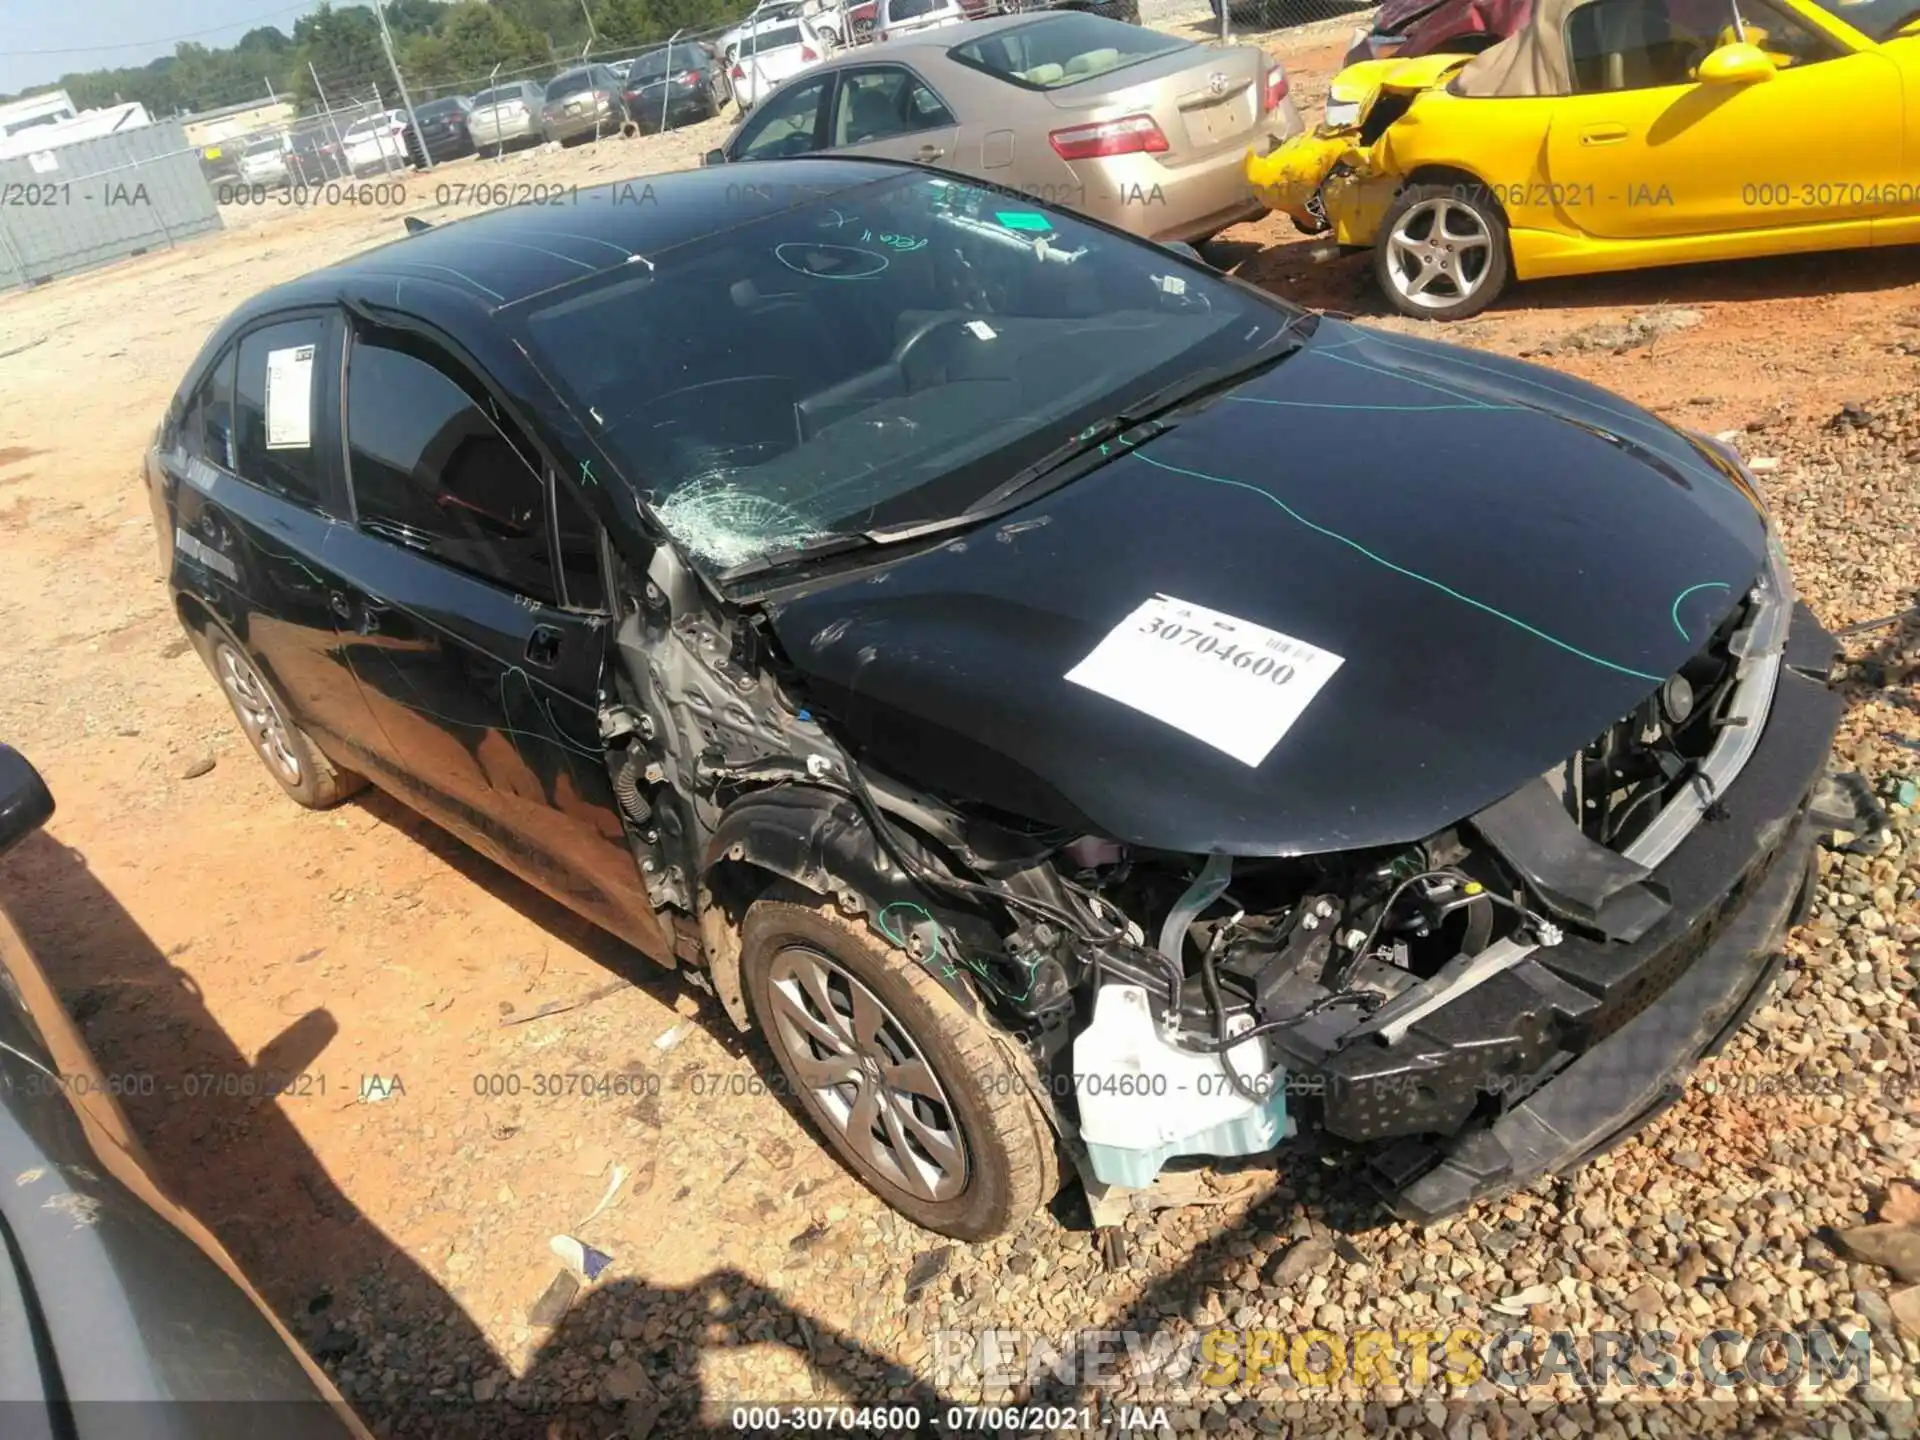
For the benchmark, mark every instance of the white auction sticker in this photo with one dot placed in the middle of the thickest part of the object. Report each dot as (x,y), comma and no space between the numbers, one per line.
(1234,684)
(290,398)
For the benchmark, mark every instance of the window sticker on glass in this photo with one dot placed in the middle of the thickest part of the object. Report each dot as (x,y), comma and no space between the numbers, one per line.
(1235,685)
(290,398)
(981,329)
(1024,220)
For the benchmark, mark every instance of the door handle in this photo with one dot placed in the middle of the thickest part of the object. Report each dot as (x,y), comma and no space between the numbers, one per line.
(1603,134)
(342,606)
(543,645)
(372,612)
(930,153)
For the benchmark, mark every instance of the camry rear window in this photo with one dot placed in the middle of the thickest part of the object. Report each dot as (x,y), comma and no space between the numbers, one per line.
(487,98)
(434,109)
(781,39)
(571,83)
(1063,50)
(812,373)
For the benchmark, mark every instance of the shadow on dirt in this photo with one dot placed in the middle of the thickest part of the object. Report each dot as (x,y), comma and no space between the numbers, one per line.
(229,1152)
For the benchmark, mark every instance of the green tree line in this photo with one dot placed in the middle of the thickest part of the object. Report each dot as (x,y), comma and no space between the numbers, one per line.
(439,44)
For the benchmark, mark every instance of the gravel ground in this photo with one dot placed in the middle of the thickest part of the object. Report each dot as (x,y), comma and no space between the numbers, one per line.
(199,924)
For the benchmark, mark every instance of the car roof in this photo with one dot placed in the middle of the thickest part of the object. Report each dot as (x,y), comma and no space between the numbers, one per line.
(458,274)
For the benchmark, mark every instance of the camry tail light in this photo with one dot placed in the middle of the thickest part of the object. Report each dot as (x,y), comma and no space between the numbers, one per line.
(806,54)
(1133,135)
(1276,90)
(689,80)
(737,72)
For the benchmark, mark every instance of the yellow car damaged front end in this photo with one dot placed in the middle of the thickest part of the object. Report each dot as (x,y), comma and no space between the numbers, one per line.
(1328,178)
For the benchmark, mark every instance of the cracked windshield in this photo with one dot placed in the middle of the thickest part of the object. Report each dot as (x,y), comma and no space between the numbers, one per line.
(881,360)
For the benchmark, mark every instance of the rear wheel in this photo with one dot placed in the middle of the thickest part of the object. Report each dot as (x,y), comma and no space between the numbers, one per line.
(911,1092)
(284,748)
(1442,252)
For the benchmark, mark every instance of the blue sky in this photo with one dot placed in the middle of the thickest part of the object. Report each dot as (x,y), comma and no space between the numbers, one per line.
(87,34)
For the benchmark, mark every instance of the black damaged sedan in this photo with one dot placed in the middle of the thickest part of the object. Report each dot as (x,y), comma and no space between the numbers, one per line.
(1082,710)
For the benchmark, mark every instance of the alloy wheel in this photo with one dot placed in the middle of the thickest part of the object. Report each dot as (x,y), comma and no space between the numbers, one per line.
(1439,253)
(259,715)
(866,1074)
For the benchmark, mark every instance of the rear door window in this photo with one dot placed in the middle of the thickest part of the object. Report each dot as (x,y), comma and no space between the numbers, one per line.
(276,410)
(882,102)
(438,467)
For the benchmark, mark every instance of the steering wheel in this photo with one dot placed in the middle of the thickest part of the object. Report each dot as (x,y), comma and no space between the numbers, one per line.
(921,331)
(662,411)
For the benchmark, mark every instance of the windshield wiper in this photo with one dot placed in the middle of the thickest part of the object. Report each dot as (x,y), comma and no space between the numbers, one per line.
(1096,440)
(1085,450)
(786,555)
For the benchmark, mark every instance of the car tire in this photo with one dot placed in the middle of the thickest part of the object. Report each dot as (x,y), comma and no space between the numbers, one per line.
(981,1157)
(284,748)
(1442,252)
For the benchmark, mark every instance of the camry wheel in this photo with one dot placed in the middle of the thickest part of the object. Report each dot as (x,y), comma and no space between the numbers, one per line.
(1442,252)
(283,747)
(910,1091)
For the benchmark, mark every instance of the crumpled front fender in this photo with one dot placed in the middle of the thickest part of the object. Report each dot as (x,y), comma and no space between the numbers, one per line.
(1289,177)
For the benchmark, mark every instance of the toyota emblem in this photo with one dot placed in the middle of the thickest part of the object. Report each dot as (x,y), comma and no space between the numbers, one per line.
(1217,82)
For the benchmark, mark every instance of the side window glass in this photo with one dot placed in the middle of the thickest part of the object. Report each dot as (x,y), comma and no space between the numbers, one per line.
(785,126)
(437,469)
(1643,44)
(206,423)
(275,402)
(1788,41)
(579,536)
(883,102)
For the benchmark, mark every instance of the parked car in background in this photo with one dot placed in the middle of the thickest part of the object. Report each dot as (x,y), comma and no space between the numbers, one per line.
(1151,757)
(446,125)
(861,18)
(112,1297)
(1612,135)
(829,17)
(264,161)
(318,154)
(675,85)
(583,104)
(1137,127)
(507,116)
(220,160)
(771,52)
(897,18)
(373,143)
(1408,29)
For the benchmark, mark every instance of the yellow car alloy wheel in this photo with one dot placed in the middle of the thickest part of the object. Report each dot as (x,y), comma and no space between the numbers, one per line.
(1442,252)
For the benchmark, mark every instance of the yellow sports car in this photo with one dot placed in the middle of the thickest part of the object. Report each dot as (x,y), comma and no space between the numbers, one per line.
(1613,135)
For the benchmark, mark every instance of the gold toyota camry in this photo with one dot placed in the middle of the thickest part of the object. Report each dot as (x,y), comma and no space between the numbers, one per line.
(1141,129)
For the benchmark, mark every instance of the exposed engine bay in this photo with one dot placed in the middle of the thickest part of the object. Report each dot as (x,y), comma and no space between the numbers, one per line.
(1173,1004)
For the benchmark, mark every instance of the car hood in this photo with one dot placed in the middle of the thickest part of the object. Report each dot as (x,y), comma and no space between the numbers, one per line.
(1504,559)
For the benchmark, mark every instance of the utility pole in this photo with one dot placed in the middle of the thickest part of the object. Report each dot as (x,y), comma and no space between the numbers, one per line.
(386,40)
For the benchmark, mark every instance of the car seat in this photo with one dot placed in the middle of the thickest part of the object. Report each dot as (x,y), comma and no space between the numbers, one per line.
(1049,74)
(1092,62)
(871,114)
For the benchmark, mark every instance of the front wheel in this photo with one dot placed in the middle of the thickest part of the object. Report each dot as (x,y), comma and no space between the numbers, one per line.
(1442,253)
(910,1091)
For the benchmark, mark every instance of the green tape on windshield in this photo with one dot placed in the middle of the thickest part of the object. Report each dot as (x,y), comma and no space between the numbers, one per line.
(1023,220)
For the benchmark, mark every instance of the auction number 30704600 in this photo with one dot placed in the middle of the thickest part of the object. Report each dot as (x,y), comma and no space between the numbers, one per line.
(1252,659)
